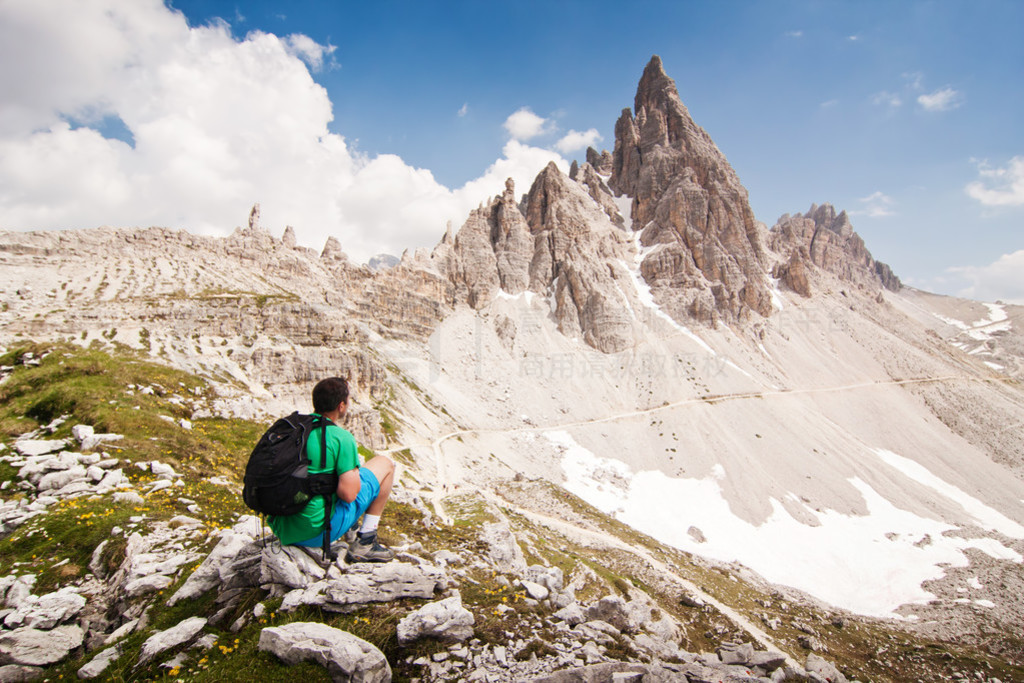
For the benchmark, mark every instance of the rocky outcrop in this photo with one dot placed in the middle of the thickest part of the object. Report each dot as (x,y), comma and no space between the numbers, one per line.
(332,250)
(705,255)
(288,238)
(826,240)
(603,163)
(560,243)
(493,250)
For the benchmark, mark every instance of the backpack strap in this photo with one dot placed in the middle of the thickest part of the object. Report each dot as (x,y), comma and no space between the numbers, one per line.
(329,556)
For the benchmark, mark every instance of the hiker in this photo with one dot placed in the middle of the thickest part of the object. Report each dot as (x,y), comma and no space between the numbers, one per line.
(360,489)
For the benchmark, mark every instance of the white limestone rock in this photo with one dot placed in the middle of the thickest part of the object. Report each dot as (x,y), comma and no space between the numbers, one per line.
(346,657)
(214,569)
(445,619)
(59,479)
(33,647)
(128,498)
(47,611)
(30,447)
(289,566)
(535,590)
(15,673)
(100,663)
(146,584)
(827,670)
(502,549)
(19,590)
(162,641)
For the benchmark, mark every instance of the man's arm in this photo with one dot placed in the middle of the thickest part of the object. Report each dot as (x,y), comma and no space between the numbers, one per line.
(349,485)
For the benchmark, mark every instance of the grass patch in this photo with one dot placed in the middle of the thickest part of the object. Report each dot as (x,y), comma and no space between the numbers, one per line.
(58,546)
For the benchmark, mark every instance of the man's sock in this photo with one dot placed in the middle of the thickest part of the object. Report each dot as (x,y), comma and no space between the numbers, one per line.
(370,524)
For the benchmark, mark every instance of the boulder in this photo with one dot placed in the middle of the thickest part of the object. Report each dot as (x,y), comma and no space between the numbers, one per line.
(32,647)
(19,590)
(571,614)
(30,447)
(47,611)
(535,590)
(162,641)
(445,619)
(362,584)
(54,481)
(614,610)
(289,566)
(214,569)
(736,653)
(146,584)
(98,664)
(502,549)
(346,657)
(827,670)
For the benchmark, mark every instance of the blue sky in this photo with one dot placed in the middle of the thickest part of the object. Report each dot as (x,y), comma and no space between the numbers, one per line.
(378,122)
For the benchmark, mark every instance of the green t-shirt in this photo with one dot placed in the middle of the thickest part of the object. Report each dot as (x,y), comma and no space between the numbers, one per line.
(342,456)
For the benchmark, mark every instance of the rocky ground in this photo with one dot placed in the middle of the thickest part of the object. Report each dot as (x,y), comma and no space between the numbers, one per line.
(131,559)
(91,618)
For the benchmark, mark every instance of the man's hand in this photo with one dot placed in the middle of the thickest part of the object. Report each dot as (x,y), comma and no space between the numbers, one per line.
(349,485)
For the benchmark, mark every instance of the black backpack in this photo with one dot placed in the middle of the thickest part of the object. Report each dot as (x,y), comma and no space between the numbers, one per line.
(277,479)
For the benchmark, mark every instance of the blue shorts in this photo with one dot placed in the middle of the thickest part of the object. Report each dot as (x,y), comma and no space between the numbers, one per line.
(346,514)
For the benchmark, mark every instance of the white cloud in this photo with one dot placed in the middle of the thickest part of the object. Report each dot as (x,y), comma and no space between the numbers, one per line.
(875,205)
(853,38)
(941,100)
(999,186)
(574,140)
(464,109)
(216,124)
(828,104)
(914,80)
(523,124)
(308,50)
(1002,280)
(794,34)
(887,99)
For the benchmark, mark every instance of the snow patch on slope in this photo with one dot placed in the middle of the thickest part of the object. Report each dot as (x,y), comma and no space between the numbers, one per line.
(982,330)
(869,564)
(983,514)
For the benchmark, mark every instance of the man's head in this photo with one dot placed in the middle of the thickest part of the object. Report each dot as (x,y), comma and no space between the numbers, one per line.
(329,393)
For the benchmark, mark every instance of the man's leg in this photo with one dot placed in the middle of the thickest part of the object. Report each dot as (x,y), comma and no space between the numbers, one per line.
(366,548)
(384,469)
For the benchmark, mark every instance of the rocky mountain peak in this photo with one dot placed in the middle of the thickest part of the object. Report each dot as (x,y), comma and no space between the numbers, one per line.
(825,216)
(707,259)
(827,240)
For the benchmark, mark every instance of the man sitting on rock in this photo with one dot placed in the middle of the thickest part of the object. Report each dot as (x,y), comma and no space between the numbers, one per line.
(361,490)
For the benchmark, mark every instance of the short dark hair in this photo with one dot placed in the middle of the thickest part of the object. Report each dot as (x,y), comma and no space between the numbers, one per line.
(329,393)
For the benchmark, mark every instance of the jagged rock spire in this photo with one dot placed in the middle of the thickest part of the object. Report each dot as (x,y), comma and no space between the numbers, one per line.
(254,217)
(687,197)
(288,239)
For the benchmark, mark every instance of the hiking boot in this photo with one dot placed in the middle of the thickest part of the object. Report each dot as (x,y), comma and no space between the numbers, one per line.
(350,536)
(367,549)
